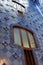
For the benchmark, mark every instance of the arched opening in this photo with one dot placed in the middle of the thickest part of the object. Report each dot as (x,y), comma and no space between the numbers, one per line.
(25,38)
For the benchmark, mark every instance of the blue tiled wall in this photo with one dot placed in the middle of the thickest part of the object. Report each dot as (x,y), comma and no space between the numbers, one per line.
(32,20)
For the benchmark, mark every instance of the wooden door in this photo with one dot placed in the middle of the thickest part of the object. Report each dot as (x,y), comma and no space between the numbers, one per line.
(29,57)
(26,39)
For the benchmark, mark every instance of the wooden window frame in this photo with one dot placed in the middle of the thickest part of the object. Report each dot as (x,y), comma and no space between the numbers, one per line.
(20,13)
(24,28)
(18,3)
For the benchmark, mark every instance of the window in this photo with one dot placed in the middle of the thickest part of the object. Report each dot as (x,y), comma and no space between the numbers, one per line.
(25,38)
(32,41)
(20,14)
(23,2)
(19,6)
(17,36)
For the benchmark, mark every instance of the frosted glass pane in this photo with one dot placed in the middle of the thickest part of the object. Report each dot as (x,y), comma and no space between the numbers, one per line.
(24,37)
(17,36)
(32,42)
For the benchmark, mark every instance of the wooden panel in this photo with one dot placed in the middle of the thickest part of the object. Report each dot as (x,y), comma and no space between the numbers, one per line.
(29,57)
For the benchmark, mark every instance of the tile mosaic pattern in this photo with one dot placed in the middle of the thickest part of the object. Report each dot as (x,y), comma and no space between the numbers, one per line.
(12,53)
(32,20)
(7,9)
(38,54)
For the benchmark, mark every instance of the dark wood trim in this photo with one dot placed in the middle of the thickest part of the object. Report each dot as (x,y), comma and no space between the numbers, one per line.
(18,3)
(20,27)
(28,48)
(35,41)
(29,59)
(21,37)
(25,57)
(33,60)
(20,13)
(28,39)
(13,36)
(28,54)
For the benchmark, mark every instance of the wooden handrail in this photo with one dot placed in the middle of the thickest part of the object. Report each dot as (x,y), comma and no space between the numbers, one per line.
(18,3)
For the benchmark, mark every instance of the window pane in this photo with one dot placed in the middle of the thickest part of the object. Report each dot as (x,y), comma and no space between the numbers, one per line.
(17,36)
(24,37)
(32,42)
(18,7)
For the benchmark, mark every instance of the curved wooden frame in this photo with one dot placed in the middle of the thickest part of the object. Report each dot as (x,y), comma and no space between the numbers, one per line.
(21,27)
(18,3)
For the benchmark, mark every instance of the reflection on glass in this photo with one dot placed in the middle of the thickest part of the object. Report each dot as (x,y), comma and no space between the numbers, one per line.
(24,37)
(32,42)
(17,36)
